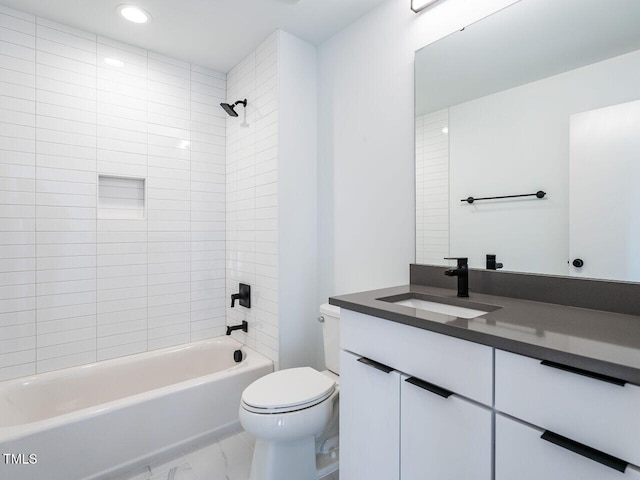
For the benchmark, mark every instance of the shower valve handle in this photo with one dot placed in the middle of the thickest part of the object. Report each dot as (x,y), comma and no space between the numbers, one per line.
(243,297)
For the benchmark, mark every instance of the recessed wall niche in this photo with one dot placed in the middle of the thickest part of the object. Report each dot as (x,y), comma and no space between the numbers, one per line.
(121,197)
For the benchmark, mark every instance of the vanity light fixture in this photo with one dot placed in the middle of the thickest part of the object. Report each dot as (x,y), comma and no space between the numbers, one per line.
(134,14)
(419,5)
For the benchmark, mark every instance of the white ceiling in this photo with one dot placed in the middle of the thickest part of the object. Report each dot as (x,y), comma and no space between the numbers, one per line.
(212,33)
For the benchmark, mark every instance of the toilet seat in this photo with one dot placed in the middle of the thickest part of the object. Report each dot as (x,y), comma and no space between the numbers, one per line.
(287,391)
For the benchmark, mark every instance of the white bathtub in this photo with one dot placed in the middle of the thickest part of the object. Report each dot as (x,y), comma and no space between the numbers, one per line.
(97,420)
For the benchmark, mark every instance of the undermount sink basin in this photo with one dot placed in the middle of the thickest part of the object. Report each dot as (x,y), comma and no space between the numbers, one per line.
(460,312)
(447,306)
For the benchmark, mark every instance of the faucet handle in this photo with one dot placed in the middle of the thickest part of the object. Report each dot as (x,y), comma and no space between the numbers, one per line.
(244,296)
(492,264)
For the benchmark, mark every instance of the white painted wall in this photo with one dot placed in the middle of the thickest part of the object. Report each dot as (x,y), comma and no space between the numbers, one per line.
(366,141)
(77,288)
(517,141)
(297,191)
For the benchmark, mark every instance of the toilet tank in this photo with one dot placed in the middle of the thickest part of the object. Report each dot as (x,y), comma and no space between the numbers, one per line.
(331,336)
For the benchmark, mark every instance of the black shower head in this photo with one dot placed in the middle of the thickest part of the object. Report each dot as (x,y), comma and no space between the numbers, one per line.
(230,108)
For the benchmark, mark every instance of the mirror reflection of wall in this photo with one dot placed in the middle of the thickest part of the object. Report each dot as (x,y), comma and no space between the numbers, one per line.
(604,172)
(499,124)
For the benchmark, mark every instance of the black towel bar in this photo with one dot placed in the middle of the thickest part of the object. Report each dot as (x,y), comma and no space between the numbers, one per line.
(538,194)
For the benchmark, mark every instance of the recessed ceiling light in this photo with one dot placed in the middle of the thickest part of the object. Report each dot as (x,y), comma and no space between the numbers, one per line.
(134,14)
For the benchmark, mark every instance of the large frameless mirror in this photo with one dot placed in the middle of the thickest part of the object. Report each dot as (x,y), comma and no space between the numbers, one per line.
(543,96)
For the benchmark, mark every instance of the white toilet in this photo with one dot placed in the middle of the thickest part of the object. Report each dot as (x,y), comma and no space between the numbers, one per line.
(293,414)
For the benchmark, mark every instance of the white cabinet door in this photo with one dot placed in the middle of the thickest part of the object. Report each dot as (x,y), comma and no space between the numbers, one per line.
(522,454)
(369,420)
(443,437)
(598,413)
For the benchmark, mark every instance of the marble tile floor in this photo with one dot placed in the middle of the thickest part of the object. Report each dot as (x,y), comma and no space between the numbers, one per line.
(225,459)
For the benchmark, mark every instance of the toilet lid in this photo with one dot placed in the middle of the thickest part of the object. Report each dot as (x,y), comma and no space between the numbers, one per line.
(286,390)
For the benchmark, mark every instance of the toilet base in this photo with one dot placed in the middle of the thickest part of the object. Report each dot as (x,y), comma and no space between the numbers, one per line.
(327,462)
(297,460)
(279,460)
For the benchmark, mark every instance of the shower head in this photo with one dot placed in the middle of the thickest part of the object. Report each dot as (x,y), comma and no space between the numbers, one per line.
(230,108)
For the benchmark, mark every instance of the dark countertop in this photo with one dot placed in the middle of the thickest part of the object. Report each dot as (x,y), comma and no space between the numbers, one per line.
(597,341)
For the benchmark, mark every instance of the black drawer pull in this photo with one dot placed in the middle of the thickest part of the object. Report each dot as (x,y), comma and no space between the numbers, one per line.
(585,373)
(429,387)
(378,366)
(581,449)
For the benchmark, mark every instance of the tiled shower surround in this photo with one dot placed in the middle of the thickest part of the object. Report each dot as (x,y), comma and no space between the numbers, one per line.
(80,282)
(252,196)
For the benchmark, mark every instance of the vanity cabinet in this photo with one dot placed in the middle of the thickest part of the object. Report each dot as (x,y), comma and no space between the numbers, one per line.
(462,367)
(416,404)
(523,453)
(400,415)
(443,436)
(592,409)
(369,419)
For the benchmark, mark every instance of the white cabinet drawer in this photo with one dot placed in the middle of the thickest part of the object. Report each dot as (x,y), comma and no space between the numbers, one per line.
(369,421)
(463,367)
(442,437)
(522,454)
(594,412)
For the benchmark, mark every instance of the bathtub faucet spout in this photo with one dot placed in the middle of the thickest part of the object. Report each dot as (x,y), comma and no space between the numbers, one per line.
(244,326)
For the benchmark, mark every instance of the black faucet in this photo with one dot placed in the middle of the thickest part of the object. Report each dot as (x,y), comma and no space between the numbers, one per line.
(492,264)
(244,296)
(244,326)
(462,272)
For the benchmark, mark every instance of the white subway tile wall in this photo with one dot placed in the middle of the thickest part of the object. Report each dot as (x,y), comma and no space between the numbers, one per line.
(76,287)
(17,193)
(208,170)
(122,242)
(252,196)
(432,188)
(169,301)
(66,318)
